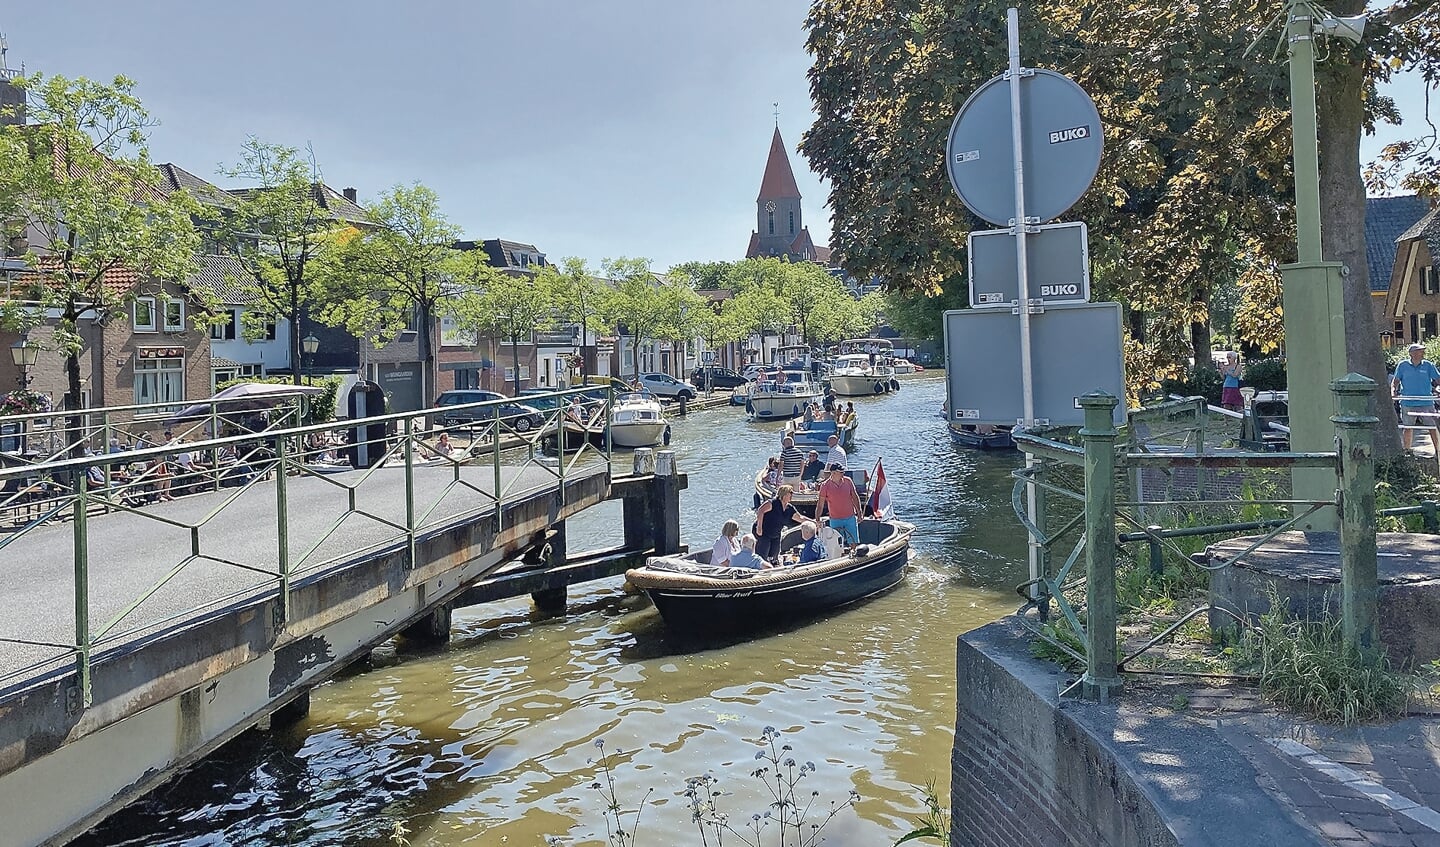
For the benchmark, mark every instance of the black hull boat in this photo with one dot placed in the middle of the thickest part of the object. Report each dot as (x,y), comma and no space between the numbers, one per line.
(692,595)
(973,437)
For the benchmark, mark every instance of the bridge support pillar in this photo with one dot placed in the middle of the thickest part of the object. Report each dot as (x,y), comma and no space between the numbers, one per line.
(291,713)
(552,554)
(433,627)
(652,515)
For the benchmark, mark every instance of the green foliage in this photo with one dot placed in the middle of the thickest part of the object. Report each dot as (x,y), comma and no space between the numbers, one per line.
(917,314)
(279,230)
(510,307)
(1264,374)
(936,822)
(77,180)
(1200,382)
(1059,644)
(579,296)
(1304,666)
(319,408)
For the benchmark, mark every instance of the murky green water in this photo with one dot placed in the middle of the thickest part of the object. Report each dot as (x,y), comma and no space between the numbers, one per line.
(490,740)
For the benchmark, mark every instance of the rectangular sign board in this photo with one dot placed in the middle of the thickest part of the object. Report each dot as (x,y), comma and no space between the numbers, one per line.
(1058,265)
(1075,349)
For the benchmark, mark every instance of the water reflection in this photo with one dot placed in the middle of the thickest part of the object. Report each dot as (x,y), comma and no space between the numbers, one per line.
(491,739)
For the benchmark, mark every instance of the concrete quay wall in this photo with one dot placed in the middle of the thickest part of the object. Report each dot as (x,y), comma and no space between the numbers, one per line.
(1030,769)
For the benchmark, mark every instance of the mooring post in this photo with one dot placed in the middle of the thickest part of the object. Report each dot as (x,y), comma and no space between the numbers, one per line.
(1098,436)
(1355,465)
(666,503)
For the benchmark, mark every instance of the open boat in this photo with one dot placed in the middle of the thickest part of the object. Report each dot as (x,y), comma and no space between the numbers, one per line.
(692,594)
(816,434)
(982,437)
(805,499)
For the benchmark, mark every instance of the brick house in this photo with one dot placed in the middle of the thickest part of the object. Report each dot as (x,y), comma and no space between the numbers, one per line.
(1412,304)
(488,363)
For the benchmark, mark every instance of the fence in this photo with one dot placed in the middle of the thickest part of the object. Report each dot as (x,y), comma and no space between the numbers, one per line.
(1077,482)
(146,538)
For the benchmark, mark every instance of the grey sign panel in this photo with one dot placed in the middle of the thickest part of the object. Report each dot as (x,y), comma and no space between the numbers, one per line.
(1058,265)
(1061,142)
(1075,349)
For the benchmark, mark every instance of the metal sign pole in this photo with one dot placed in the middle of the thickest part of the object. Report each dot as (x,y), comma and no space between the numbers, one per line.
(1027,388)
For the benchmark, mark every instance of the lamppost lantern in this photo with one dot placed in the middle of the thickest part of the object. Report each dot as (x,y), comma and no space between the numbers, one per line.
(24,354)
(310,344)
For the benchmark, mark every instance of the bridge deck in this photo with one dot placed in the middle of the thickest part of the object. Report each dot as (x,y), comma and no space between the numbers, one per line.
(230,530)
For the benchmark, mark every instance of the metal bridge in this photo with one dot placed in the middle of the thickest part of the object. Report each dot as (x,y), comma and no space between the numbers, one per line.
(162,599)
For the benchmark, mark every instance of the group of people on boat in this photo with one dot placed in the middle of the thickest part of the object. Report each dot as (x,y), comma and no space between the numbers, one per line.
(838,504)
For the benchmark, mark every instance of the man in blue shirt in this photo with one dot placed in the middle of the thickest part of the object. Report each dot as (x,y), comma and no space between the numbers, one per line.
(1414,383)
(812,549)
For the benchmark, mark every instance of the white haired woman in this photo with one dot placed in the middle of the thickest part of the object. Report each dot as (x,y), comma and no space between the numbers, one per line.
(727,545)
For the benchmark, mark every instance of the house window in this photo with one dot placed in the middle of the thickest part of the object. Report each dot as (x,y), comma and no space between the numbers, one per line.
(174,315)
(524,373)
(1399,330)
(792,222)
(159,381)
(1431,329)
(225,331)
(1429,283)
(144,314)
(269,330)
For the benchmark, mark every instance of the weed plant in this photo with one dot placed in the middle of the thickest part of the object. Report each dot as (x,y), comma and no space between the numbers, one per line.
(936,822)
(1305,667)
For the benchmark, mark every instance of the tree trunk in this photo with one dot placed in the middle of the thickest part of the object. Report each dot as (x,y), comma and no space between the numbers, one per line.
(74,424)
(515,361)
(1200,343)
(428,378)
(1342,215)
(295,351)
(1136,319)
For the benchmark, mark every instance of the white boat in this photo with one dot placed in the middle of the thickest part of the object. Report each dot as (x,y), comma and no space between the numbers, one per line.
(781,395)
(637,421)
(904,366)
(862,374)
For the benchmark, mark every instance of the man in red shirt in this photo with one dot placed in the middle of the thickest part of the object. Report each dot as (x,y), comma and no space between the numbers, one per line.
(841,501)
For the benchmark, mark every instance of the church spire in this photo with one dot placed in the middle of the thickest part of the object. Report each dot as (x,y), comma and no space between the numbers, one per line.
(779,180)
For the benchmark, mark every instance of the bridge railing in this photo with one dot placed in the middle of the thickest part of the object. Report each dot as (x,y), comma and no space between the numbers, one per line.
(1080,517)
(143,539)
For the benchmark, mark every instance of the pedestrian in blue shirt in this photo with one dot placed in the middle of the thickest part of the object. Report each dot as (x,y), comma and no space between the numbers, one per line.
(1414,384)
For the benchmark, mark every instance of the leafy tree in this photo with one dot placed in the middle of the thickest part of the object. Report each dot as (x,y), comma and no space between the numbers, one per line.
(510,307)
(278,228)
(810,290)
(78,182)
(1197,142)
(705,274)
(685,314)
(758,310)
(381,277)
(921,315)
(635,302)
(579,299)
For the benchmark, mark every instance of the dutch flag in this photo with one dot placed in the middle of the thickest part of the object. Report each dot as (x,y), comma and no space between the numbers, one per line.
(880,505)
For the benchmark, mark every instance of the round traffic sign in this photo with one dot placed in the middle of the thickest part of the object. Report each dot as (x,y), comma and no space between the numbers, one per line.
(1061,142)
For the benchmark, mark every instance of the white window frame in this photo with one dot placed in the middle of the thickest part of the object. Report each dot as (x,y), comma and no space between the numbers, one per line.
(179,306)
(1428,281)
(149,304)
(168,378)
(228,331)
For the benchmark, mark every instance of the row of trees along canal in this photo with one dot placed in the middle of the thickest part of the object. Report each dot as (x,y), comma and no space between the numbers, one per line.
(1191,212)
(77,178)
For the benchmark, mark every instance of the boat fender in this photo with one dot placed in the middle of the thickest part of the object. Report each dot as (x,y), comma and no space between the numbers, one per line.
(794,411)
(749,407)
(894,385)
(879,388)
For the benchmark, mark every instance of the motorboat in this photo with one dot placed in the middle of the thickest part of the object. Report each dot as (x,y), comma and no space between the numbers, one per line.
(692,594)
(637,420)
(780,395)
(816,433)
(904,367)
(740,394)
(806,496)
(862,374)
(982,436)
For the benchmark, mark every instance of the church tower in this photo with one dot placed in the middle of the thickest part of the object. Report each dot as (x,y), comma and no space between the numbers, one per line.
(779,228)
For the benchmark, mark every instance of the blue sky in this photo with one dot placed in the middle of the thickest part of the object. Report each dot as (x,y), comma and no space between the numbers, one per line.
(589,128)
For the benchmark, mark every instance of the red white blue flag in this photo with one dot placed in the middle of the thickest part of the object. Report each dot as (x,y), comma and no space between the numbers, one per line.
(880,505)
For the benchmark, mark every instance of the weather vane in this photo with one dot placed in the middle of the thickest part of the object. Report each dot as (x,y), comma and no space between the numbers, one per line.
(777,114)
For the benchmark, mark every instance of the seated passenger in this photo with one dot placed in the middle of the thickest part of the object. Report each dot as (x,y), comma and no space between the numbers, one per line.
(813,467)
(747,557)
(772,472)
(727,545)
(812,549)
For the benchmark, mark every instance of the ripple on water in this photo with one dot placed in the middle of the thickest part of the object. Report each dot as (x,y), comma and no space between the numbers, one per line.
(493,738)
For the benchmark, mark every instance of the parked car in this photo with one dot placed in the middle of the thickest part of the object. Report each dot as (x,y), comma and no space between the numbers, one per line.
(517,416)
(717,377)
(665,385)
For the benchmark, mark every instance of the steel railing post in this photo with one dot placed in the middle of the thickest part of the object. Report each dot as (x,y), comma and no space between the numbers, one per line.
(1430,515)
(81,544)
(495,464)
(1098,436)
(1042,552)
(1202,410)
(282,526)
(410,491)
(1355,465)
(605,427)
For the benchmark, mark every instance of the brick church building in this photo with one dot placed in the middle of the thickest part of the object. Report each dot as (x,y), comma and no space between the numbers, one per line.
(779,224)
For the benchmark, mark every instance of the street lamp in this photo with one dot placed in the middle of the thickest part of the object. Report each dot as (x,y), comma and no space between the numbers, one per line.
(309,344)
(24,353)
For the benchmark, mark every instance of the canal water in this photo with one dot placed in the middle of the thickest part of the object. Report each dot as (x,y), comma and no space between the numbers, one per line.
(492,739)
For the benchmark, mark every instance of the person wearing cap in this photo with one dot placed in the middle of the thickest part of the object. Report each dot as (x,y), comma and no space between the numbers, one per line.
(1413,385)
(840,500)
(1230,396)
(836,456)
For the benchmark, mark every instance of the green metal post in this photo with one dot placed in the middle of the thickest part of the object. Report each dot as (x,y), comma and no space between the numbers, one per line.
(410,492)
(1355,438)
(1042,548)
(1314,305)
(1098,436)
(81,544)
(1430,515)
(282,525)
(495,464)
(1202,413)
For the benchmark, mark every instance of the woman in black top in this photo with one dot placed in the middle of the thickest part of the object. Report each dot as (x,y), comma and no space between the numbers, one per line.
(771,519)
